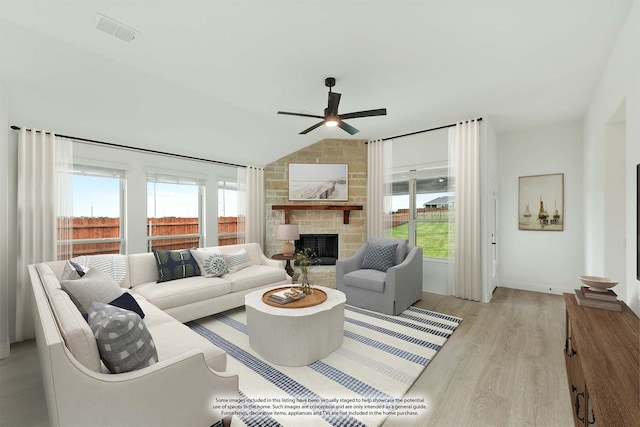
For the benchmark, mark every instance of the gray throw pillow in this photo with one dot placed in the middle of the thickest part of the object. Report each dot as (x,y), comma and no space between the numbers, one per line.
(401,250)
(93,286)
(73,270)
(124,342)
(379,256)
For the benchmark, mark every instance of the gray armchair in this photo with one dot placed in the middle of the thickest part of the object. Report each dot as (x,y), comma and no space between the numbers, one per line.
(389,292)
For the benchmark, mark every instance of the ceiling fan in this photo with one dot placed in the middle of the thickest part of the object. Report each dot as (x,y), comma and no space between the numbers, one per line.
(331,117)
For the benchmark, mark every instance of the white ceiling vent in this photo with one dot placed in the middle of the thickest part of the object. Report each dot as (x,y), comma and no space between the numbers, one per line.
(115,28)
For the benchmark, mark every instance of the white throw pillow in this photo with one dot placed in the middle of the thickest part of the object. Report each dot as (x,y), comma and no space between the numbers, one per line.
(211,262)
(238,260)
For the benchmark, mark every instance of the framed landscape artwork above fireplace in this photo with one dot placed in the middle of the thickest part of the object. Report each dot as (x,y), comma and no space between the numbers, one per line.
(318,181)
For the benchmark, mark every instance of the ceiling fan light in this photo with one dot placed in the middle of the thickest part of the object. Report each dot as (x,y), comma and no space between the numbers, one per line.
(331,122)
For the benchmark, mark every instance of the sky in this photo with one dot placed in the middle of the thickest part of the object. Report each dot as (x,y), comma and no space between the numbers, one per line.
(402,202)
(100,197)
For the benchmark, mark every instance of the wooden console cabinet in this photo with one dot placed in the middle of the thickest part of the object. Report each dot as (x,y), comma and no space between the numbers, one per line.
(602,353)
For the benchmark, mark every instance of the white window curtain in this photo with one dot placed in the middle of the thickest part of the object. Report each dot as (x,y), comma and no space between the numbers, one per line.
(251,205)
(39,155)
(64,195)
(465,280)
(379,180)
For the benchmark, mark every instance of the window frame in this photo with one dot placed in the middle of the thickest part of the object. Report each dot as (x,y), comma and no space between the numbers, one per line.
(228,184)
(175,179)
(412,178)
(87,169)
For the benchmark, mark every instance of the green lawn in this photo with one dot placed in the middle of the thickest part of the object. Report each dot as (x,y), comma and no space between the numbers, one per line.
(432,236)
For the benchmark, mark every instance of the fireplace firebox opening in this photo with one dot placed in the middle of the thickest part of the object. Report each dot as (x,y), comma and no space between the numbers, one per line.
(325,246)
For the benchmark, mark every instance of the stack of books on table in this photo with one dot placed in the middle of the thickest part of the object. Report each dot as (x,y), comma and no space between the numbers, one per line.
(605,300)
(286,296)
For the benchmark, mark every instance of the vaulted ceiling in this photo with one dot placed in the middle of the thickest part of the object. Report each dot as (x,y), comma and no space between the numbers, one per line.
(206,78)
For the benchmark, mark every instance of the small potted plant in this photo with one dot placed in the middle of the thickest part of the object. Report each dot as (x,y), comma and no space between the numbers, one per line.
(304,260)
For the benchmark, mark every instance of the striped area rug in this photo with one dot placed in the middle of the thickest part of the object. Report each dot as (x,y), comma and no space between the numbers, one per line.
(359,384)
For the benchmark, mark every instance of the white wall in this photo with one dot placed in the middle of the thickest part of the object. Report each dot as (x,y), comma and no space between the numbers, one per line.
(619,85)
(544,261)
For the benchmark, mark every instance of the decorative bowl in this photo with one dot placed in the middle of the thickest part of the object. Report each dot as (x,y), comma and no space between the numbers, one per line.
(597,283)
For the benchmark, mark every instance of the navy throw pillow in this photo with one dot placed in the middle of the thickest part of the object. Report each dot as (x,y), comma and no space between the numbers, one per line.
(128,302)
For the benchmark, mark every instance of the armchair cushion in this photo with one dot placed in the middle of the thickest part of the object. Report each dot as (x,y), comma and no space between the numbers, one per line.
(379,256)
(372,280)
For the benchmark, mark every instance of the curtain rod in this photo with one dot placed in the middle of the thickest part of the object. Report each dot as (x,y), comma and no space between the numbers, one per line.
(143,150)
(424,131)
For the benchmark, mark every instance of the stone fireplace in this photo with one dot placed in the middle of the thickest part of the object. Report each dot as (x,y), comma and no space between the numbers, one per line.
(350,234)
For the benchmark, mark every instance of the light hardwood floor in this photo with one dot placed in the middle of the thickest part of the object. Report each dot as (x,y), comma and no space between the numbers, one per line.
(503,366)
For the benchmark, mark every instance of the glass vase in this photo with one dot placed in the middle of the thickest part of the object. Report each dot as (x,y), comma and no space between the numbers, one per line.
(304,283)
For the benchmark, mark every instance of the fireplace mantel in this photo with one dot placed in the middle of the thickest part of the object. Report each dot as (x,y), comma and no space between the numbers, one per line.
(346,210)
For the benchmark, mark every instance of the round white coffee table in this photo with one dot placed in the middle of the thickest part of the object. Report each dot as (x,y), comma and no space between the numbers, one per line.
(295,336)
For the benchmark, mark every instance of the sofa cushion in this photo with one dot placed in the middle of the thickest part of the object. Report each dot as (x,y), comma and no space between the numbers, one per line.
(401,250)
(379,256)
(372,280)
(173,265)
(174,338)
(181,292)
(238,260)
(124,342)
(255,276)
(93,286)
(75,331)
(211,262)
(153,315)
(142,268)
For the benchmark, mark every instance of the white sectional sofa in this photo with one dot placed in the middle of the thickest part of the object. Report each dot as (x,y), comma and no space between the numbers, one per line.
(180,389)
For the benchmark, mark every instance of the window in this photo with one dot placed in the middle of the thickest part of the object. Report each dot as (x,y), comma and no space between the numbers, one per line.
(230,229)
(97,221)
(422,206)
(174,212)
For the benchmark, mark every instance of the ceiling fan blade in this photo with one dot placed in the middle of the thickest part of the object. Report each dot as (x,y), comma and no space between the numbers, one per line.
(334,101)
(301,115)
(312,128)
(348,128)
(368,113)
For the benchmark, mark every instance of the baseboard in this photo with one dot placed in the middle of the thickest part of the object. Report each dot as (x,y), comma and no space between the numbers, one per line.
(5,350)
(534,288)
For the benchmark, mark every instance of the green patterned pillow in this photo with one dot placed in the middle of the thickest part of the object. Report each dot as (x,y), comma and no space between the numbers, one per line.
(174,265)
